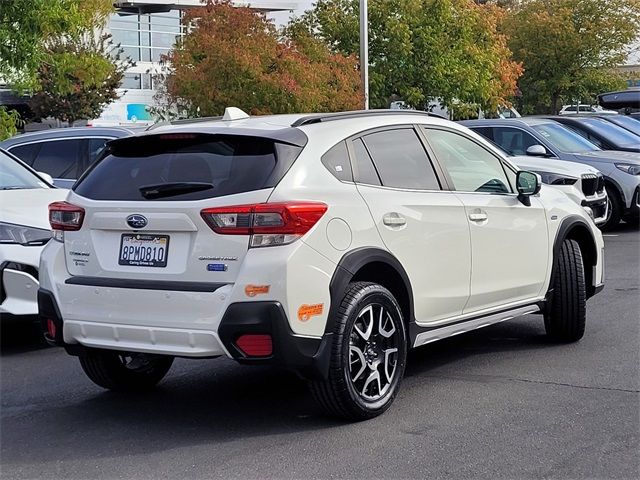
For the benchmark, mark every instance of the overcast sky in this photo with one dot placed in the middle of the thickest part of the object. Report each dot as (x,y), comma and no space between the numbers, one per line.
(282,17)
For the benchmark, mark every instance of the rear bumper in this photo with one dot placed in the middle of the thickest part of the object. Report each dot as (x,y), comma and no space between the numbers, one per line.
(308,356)
(19,279)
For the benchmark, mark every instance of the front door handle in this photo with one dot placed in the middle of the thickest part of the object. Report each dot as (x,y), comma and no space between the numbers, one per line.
(478,217)
(394,220)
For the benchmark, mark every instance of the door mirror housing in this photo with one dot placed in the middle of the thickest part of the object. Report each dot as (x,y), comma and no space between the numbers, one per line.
(537,151)
(527,184)
(45,176)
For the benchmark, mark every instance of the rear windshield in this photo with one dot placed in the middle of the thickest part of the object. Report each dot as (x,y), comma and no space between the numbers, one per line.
(186,167)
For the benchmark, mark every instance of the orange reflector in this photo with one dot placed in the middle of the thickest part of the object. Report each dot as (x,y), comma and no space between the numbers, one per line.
(254,345)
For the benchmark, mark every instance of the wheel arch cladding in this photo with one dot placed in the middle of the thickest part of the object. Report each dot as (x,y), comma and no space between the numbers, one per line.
(576,228)
(372,265)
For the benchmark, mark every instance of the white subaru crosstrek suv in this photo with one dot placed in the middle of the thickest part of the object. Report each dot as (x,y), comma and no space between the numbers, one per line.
(330,244)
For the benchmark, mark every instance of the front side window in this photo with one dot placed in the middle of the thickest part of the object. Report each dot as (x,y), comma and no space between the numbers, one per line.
(470,166)
(513,140)
(401,160)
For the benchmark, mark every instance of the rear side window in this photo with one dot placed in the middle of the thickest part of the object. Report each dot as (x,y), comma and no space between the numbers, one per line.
(336,160)
(365,172)
(26,153)
(186,167)
(96,145)
(59,158)
(401,160)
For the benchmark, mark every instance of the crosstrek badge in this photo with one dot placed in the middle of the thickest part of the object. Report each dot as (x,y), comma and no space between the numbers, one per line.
(305,312)
(253,290)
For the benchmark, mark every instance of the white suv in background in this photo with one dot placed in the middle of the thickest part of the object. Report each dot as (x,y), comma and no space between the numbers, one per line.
(329,244)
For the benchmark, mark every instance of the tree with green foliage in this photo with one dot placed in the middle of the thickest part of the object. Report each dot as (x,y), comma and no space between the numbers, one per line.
(9,120)
(27,28)
(569,47)
(233,56)
(421,50)
(79,79)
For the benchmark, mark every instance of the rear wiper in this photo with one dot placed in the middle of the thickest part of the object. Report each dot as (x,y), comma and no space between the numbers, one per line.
(162,190)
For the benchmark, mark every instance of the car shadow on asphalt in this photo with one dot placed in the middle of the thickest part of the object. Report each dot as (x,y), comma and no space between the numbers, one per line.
(19,336)
(213,401)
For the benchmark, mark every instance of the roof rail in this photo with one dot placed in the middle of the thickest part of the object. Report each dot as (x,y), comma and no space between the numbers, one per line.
(327,117)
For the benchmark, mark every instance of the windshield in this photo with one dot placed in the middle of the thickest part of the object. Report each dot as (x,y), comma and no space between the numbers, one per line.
(625,122)
(613,133)
(564,139)
(15,176)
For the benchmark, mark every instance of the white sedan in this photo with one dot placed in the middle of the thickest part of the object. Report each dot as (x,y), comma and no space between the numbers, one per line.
(24,229)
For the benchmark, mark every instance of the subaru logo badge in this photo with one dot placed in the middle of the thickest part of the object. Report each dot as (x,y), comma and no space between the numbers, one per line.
(136,221)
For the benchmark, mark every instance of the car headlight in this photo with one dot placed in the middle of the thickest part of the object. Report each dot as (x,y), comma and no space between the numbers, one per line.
(628,168)
(11,233)
(549,178)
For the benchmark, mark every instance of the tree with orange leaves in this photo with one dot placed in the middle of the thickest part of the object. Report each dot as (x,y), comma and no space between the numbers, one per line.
(233,56)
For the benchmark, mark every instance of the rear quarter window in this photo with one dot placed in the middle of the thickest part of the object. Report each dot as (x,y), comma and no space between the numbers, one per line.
(223,164)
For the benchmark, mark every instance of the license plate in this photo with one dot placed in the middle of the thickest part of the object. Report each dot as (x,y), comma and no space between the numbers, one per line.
(144,250)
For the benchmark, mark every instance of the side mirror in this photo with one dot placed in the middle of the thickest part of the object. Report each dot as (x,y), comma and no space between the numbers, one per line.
(45,176)
(527,184)
(537,151)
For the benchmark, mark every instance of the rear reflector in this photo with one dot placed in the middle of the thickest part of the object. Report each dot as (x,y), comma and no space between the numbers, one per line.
(267,223)
(51,328)
(255,345)
(65,216)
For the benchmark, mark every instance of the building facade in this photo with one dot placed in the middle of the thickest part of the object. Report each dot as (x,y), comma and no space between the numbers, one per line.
(146,30)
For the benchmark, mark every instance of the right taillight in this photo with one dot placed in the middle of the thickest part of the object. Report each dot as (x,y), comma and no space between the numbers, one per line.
(268,224)
(64,216)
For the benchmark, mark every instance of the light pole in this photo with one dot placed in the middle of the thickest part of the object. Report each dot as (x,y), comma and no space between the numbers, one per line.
(364,51)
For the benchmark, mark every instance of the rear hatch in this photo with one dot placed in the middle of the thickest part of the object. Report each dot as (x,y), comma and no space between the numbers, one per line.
(143,201)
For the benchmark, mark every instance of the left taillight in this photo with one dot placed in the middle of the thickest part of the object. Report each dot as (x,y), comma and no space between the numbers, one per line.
(64,216)
(268,224)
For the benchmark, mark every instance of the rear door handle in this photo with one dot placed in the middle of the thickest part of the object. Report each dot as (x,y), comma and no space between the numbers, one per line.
(477,217)
(394,220)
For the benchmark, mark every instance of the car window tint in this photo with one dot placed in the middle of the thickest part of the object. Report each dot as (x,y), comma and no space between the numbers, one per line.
(513,140)
(26,153)
(486,132)
(96,146)
(222,164)
(364,170)
(337,162)
(59,158)
(401,160)
(470,166)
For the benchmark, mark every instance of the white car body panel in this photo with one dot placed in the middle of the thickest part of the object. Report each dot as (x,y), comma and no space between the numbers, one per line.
(457,268)
(24,207)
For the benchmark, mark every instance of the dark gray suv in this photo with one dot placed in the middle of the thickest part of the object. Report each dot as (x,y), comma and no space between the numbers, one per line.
(546,138)
(63,153)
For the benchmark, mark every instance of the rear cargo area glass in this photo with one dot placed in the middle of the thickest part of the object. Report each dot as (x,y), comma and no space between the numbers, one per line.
(230,163)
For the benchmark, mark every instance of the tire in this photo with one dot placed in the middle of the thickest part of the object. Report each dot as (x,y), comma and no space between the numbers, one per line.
(615,209)
(125,372)
(565,317)
(359,385)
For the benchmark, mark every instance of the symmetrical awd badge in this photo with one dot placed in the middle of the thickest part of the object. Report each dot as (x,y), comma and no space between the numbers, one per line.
(137,221)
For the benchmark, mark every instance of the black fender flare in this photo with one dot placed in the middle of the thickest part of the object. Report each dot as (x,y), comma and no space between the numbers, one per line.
(567,224)
(347,268)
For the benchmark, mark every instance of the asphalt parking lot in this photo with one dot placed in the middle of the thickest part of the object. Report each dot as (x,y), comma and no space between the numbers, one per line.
(500,402)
